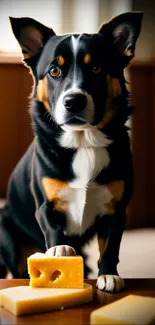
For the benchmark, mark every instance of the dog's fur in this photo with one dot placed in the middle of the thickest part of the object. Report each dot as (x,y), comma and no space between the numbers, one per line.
(76,177)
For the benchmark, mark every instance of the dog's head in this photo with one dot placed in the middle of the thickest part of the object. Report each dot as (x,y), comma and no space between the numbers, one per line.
(79,78)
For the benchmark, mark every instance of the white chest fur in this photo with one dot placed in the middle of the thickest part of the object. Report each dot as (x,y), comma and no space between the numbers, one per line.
(84,198)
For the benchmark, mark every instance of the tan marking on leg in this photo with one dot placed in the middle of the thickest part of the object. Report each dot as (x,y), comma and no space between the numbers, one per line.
(116,188)
(102,244)
(114,91)
(42,93)
(52,188)
(110,207)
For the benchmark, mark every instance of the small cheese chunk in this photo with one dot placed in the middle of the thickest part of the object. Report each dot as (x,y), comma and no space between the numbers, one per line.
(26,300)
(55,272)
(132,309)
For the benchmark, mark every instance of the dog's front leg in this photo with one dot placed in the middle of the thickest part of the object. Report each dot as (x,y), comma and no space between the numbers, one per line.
(110,229)
(52,223)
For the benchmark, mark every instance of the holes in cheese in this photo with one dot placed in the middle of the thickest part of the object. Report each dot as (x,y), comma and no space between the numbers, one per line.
(36,273)
(55,275)
(56,272)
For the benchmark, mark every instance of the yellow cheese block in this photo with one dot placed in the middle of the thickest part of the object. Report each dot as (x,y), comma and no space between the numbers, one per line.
(55,272)
(132,309)
(26,300)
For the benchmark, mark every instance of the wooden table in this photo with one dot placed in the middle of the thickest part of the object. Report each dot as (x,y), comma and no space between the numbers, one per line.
(80,314)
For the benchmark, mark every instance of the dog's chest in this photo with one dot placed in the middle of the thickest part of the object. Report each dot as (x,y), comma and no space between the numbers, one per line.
(83,198)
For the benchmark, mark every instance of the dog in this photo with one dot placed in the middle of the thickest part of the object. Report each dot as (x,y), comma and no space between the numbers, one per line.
(76,178)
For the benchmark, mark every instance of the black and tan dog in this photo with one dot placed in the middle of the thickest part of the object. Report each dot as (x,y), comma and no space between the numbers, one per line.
(76,177)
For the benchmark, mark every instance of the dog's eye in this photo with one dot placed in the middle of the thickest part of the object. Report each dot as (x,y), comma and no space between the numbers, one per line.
(96,69)
(55,72)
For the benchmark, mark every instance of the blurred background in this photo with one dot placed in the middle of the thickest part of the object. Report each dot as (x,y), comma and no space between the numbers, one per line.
(138,245)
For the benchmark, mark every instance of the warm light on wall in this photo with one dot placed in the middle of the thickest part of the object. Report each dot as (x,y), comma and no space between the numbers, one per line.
(86,16)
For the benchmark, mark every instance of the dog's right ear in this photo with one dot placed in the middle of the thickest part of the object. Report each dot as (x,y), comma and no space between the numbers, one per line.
(31,36)
(123,31)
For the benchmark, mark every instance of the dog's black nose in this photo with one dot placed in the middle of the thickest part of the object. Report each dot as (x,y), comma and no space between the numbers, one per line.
(75,103)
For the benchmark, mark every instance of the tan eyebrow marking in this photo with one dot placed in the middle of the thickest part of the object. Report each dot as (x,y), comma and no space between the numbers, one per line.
(60,60)
(87,58)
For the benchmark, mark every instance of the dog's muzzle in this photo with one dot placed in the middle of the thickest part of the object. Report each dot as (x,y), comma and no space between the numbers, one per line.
(74,107)
(75,103)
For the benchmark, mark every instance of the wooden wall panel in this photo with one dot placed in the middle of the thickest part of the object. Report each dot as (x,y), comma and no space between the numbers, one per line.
(142,207)
(15,130)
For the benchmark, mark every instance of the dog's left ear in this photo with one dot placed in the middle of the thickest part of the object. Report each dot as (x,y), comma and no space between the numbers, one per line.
(31,36)
(123,32)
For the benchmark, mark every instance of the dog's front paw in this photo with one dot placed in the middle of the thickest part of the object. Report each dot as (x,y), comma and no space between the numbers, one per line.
(61,250)
(110,283)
